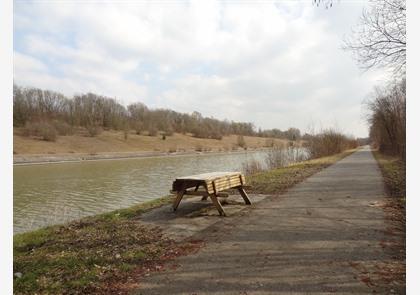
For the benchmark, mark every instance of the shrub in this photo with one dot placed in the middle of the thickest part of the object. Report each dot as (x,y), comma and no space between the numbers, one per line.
(169,131)
(216,135)
(28,129)
(252,167)
(276,158)
(328,142)
(49,133)
(283,156)
(153,131)
(63,128)
(241,141)
(93,130)
(198,148)
(138,126)
(206,132)
(172,150)
(44,130)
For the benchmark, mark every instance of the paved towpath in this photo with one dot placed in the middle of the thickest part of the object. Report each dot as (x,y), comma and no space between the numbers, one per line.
(308,240)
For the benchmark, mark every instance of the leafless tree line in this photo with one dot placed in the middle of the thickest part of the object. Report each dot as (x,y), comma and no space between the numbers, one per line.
(316,145)
(33,106)
(329,142)
(387,118)
(291,133)
(380,41)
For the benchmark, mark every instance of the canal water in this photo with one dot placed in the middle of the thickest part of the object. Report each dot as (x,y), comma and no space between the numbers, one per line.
(56,193)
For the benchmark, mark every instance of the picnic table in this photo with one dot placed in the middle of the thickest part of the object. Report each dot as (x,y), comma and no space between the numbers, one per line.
(212,184)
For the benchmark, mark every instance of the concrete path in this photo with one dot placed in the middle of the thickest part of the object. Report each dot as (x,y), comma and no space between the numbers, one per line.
(307,240)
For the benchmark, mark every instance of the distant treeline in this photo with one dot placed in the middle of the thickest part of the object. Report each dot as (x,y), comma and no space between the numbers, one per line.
(387,118)
(95,112)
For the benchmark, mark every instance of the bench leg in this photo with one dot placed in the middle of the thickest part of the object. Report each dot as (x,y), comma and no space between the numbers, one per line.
(216,203)
(204,196)
(244,195)
(178,199)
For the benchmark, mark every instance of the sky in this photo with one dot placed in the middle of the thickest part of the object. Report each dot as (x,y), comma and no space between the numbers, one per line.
(276,64)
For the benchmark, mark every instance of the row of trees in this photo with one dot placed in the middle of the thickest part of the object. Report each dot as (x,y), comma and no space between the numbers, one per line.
(380,41)
(291,133)
(328,142)
(32,105)
(387,118)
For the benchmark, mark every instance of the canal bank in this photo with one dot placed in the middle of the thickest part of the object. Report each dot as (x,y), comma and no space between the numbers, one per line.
(112,251)
(34,159)
(52,194)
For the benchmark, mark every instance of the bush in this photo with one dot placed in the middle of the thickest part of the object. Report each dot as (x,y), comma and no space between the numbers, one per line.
(206,132)
(282,156)
(216,135)
(63,128)
(172,150)
(198,148)
(93,130)
(241,141)
(49,133)
(168,131)
(328,142)
(252,167)
(138,126)
(44,130)
(153,131)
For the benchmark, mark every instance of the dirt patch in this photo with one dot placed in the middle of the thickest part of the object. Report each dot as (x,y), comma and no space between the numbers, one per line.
(194,215)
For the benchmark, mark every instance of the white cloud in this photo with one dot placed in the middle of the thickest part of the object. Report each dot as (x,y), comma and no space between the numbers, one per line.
(275,64)
(27,63)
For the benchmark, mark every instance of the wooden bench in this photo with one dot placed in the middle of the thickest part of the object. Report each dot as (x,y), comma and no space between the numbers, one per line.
(212,184)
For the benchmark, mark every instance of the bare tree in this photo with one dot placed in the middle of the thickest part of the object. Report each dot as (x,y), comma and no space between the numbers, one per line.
(96,113)
(387,118)
(380,38)
(326,3)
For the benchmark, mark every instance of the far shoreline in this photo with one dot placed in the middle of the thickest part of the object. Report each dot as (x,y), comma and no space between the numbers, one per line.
(42,159)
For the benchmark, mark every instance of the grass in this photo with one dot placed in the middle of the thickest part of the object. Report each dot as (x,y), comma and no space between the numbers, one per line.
(104,253)
(392,271)
(111,141)
(393,171)
(93,255)
(279,180)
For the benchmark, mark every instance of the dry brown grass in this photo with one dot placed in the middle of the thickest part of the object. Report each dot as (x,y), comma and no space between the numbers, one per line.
(114,141)
(276,181)
(102,254)
(389,273)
